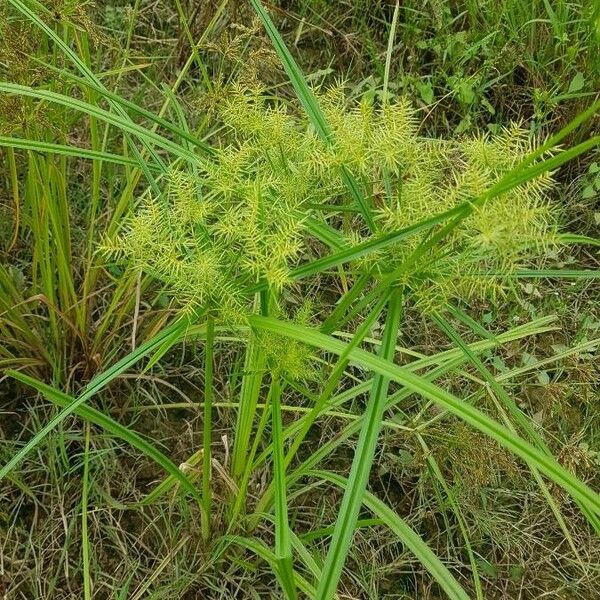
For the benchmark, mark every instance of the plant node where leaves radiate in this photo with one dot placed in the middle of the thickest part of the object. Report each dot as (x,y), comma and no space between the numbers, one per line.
(241,217)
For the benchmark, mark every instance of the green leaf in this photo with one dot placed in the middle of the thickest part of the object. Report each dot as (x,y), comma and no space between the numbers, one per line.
(577,83)
(408,536)
(488,568)
(426,91)
(363,460)
(69,404)
(516,572)
(419,385)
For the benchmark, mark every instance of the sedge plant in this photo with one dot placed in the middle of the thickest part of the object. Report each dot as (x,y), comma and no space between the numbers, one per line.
(285,194)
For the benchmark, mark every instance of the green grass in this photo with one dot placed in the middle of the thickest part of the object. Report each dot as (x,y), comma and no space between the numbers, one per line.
(469,63)
(266,335)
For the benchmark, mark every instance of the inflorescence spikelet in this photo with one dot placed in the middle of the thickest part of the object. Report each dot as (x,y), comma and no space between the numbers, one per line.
(241,217)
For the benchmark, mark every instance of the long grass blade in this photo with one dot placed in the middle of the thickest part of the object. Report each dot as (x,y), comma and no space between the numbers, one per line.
(437,473)
(407,534)
(85,539)
(89,74)
(92,388)
(124,124)
(208,424)
(260,549)
(517,415)
(96,417)
(419,385)
(283,542)
(132,106)
(363,460)
(64,150)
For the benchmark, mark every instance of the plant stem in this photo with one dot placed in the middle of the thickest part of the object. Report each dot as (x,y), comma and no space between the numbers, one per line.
(14,179)
(85,546)
(283,545)
(207,425)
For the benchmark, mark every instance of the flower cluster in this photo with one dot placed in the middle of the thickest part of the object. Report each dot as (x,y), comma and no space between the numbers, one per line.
(239,218)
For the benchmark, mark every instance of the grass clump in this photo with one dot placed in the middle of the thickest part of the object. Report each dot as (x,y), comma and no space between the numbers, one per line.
(338,300)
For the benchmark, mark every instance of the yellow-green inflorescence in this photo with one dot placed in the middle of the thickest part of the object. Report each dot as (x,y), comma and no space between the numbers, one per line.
(240,217)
